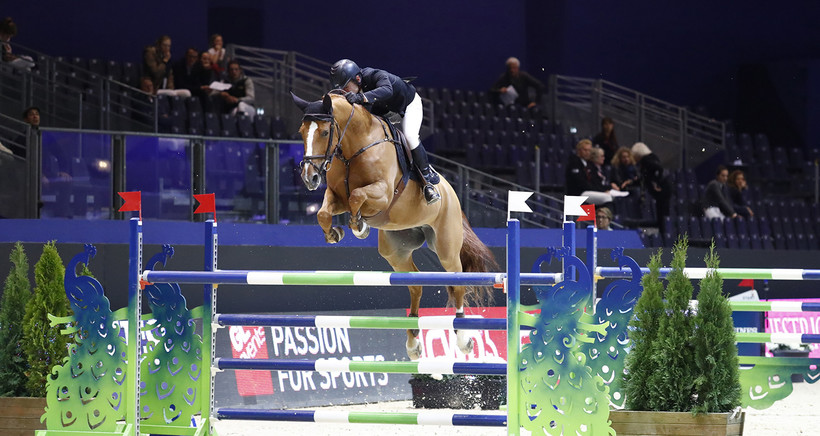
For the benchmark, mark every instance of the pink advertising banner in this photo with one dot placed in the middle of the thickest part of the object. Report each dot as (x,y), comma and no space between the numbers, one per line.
(795,322)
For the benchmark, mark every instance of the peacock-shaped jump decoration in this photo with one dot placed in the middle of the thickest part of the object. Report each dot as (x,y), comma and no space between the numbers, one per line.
(607,354)
(85,393)
(560,392)
(171,368)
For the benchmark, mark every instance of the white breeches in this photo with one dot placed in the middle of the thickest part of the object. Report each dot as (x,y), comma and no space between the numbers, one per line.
(411,123)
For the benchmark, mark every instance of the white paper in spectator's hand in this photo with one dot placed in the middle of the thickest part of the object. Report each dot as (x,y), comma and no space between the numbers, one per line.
(509,96)
(219,86)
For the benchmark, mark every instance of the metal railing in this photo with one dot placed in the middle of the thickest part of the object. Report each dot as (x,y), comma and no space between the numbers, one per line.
(679,137)
(255,180)
(70,96)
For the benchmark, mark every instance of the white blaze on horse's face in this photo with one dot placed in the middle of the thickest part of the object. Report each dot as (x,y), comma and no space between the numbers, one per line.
(311,178)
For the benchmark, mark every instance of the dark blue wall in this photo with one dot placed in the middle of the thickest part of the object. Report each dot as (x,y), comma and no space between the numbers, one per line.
(687,53)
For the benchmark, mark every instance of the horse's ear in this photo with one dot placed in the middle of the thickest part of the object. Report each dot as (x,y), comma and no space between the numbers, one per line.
(327,104)
(300,103)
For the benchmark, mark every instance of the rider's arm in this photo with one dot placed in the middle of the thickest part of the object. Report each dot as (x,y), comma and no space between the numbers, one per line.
(383,89)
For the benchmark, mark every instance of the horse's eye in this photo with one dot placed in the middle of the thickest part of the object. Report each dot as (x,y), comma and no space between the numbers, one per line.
(325,133)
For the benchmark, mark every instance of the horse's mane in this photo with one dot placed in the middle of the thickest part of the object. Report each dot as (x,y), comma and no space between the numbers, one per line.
(341,109)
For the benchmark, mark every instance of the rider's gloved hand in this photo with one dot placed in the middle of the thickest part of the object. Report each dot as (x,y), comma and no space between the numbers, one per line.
(354,98)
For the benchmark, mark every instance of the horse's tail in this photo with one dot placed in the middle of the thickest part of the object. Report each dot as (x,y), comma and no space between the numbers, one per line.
(476,257)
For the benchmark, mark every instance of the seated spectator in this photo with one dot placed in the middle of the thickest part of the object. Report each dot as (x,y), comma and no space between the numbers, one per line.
(606,139)
(55,163)
(738,192)
(514,86)
(156,63)
(205,75)
(8,29)
(218,56)
(603,218)
(716,201)
(624,173)
(143,106)
(654,179)
(579,175)
(240,97)
(185,71)
(601,189)
(31,116)
(577,172)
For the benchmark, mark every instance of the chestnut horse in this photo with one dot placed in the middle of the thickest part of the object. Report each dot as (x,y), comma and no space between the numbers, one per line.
(355,153)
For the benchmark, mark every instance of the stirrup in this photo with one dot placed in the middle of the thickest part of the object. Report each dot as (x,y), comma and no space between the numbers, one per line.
(431,194)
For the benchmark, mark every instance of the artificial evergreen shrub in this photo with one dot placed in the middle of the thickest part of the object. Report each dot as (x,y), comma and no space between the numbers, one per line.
(16,293)
(44,345)
(717,386)
(643,329)
(680,361)
(673,382)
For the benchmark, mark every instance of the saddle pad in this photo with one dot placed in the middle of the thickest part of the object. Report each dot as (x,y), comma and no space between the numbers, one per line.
(405,160)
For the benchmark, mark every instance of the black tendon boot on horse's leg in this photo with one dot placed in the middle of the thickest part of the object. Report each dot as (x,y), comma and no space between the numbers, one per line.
(430,177)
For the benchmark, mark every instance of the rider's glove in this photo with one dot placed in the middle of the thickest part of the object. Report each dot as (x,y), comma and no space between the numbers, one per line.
(354,98)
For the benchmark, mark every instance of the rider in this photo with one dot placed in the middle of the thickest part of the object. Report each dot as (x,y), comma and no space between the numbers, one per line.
(384,92)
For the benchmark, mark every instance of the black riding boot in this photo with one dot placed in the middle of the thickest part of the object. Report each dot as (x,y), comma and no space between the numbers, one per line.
(430,177)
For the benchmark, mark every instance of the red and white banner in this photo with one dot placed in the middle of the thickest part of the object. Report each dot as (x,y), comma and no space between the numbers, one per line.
(250,343)
(488,345)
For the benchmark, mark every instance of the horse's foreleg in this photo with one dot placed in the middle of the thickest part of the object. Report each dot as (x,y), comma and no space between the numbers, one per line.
(373,199)
(330,206)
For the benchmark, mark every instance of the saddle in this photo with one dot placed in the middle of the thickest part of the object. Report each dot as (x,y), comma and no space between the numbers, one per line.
(403,154)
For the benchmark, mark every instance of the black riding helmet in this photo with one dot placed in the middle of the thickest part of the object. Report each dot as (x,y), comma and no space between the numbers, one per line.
(342,72)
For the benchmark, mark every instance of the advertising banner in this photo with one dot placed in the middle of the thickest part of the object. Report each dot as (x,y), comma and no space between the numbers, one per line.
(795,322)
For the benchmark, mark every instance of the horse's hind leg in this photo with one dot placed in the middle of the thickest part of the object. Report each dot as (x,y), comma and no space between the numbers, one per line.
(446,240)
(397,248)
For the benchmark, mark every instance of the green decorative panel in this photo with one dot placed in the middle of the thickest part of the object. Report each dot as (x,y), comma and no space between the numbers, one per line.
(171,369)
(560,392)
(769,380)
(85,393)
(607,354)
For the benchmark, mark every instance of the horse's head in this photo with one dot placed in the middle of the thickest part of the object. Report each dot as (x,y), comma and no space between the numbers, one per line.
(317,132)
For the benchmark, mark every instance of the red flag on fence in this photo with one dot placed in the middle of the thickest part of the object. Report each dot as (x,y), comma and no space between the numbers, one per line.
(207,204)
(133,202)
(747,283)
(590,210)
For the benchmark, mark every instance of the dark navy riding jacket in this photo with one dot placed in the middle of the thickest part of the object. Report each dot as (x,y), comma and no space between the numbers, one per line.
(386,92)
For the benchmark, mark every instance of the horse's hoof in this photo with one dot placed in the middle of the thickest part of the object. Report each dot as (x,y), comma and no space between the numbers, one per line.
(335,235)
(466,348)
(362,231)
(414,351)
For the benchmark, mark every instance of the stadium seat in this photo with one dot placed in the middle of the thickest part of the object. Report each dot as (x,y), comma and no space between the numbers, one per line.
(228,125)
(261,126)
(212,127)
(244,126)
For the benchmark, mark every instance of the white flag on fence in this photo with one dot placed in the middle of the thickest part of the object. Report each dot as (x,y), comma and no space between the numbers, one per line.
(517,202)
(572,205)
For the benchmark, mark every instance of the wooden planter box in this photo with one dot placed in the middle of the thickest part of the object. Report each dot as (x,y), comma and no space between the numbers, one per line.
(633,423)
(21,416)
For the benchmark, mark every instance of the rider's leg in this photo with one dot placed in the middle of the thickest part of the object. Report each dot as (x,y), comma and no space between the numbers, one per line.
(411,124)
